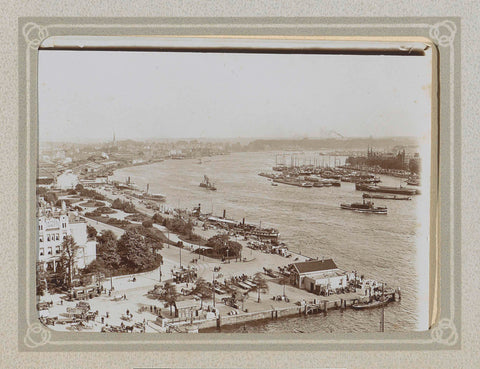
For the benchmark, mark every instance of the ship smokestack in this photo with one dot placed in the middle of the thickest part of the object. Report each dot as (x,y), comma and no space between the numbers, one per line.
(243,221)
(224,213)
(148,187)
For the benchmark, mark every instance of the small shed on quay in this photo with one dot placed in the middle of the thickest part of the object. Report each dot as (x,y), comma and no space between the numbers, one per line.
(187,309)
(318,276)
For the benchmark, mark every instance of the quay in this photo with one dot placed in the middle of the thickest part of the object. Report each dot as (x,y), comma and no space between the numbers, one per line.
(294,285)
(321,305)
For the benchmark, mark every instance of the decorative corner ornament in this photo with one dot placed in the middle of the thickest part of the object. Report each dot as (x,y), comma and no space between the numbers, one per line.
(37,335)
(443,33)
(445,332)
(34,34)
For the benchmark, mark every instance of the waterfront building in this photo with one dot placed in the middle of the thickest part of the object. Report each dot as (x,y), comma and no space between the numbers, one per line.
(67,180)
(96,181)
(54,225)
(318,276)
(92,167)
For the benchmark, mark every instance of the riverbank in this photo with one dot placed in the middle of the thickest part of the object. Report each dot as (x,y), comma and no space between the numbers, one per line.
(310,222)
(125,300)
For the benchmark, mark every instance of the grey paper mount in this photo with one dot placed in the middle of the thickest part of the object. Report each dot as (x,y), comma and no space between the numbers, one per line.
(418,36)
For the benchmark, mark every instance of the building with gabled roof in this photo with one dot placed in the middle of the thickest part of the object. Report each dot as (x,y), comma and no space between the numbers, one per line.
(318,276)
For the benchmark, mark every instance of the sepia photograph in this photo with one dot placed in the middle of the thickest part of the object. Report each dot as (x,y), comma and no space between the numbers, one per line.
(208,185)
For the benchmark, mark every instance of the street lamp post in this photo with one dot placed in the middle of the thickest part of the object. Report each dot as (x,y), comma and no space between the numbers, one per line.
(213,284)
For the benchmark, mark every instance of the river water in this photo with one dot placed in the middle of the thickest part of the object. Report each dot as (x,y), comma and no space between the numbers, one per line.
(310,221)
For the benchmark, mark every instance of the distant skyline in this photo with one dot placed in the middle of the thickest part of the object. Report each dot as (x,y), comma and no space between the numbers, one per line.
(87,95)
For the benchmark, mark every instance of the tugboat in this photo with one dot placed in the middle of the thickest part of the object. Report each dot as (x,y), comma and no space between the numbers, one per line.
(382,301)
(207,184)
(365,207)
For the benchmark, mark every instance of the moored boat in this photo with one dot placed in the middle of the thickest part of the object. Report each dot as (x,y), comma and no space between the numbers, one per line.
(207,184)
(293,182)
(373,304)
(365,207)
(385,197)
(385,189)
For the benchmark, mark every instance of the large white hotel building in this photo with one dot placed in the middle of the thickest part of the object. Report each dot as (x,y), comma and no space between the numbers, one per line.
(54,225)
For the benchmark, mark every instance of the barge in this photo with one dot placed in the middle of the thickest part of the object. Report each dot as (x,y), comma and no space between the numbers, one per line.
(385,197)
(386,189)
(294,183)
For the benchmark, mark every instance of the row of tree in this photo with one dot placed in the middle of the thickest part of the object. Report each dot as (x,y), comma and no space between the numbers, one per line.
(131,253)
(204,290)
(220,244)
(177,225)
(126,206)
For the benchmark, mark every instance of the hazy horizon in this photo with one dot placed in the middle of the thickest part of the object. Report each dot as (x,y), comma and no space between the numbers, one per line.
(224,139)
(139,95)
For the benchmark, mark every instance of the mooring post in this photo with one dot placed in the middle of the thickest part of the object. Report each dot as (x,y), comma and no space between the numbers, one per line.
(341,304)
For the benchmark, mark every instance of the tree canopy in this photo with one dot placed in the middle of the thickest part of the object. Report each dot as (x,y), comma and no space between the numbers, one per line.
(202,289)
(126,206)
(91,232)
(134,252)
(170,295)
(107,250)
(261,284)
(223,246)
(67,258)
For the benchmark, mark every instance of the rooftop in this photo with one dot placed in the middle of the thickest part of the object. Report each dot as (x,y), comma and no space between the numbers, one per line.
(315,266)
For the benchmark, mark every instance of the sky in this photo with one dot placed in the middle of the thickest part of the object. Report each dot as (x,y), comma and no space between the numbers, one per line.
(88,95)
